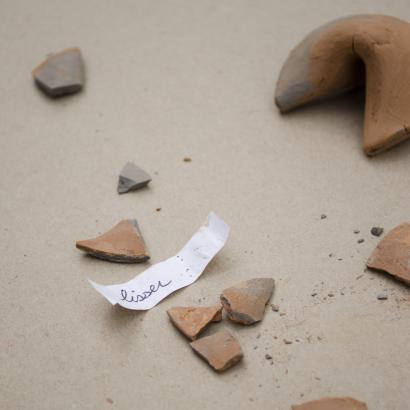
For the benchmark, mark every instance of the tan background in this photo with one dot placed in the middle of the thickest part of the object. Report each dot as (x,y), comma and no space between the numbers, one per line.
(168,79)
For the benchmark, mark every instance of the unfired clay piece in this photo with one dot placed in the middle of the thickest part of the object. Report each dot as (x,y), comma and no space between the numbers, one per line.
(221,350)
(392,254)
(332,403)
(329,61)
(123,243)
(245,302)
(61,73)
(191,321)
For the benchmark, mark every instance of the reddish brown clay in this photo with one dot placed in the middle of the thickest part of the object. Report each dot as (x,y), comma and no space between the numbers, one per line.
(332,403)
(329,61)
(245,302)
(191,321)
(392,254)
(221,350)
(123,243)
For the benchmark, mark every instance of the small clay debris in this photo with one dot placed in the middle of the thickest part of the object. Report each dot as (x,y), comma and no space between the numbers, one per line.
(221,350)
(274,307)
(313,294)
(287,341)
(191,321)
(382,296)
(245,302)
(323,216)
(356,231)
(132,178)
(360,240)
(158,209)
(187,159)
(61,73)
(332,403)
(376,231)
(392,254)
(268,356)
(123,243)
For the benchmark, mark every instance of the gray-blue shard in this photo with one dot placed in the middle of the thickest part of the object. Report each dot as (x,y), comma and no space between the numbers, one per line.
(132,178)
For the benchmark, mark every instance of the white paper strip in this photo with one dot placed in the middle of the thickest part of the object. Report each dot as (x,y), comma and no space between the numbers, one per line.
(157,282)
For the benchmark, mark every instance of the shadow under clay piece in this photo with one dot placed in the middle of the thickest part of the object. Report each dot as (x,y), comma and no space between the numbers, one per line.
(329,61)
(392,254)
(132,178)
(61,73)
(332,403)
(123,243)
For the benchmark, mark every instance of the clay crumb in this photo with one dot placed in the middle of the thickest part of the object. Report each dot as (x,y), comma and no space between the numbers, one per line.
(376,231)
(187,159)
(361,240)
(382,296)
(287,341)
(158,209)
(268,356)
(274,307)
(356,231)
(323,216)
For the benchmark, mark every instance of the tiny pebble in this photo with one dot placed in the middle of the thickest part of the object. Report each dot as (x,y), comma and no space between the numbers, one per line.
(330,295)
(382,296)
(287,342)
(158,209)
(360,240)
(187,159)
(356,231)
(275,308)
(376,231)
(313,294)
(268,357)
(323,216)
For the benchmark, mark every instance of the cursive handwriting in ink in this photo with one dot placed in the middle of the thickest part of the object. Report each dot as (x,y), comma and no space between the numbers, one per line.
(144,295)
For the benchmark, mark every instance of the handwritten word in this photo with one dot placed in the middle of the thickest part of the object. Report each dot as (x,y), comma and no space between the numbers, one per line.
(144,295)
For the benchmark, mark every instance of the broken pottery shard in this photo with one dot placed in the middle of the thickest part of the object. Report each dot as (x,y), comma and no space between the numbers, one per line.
(132,178)
(192,320)
(392,254)
(332,403)
(61,73)
(344,54)
(245,303)
(221,350)
(123,243)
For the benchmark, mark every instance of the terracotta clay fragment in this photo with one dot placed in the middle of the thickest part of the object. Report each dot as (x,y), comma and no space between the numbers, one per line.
(342,55)
(332,403)
(123,243)
(221,350)
(61,73)
(392,254)
(192,320)
(245,302)
(132,178)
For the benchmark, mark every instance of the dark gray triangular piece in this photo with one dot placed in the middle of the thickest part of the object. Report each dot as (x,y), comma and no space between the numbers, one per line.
(61,73)
(132,178)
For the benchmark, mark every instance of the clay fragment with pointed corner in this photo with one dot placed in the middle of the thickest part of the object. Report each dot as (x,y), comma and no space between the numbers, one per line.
(132,178)
(332,403)
(61,73)
(221,350)
(347,53)
(392,254)
(123,243)
(191,321)
(245,302)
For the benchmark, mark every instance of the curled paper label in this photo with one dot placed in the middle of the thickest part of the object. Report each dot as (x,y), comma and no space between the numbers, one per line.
(160,280)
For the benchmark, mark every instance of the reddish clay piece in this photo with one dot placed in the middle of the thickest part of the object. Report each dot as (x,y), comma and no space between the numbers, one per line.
(392,254)
(332,403)
(329,61)
(123,243)
(191,321)
(221,350)
(245,302)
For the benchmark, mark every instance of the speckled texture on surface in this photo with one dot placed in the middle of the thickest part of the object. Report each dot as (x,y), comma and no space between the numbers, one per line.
(168,80)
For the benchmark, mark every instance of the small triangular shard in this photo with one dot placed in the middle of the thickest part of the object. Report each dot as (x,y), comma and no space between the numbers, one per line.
(132,178)
(61,73)
(245,302)
(191,321)
(221,350)
(123,243)
(392,254)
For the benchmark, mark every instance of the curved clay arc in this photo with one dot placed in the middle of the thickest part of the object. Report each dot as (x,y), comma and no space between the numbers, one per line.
(329,61)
